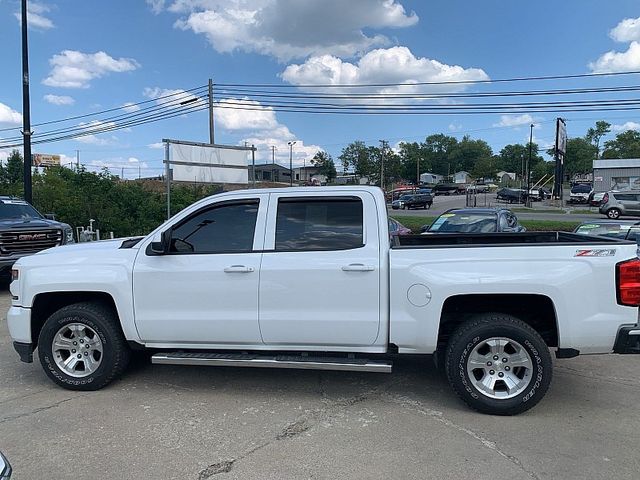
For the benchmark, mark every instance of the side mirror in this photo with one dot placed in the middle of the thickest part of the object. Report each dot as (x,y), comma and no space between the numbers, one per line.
(160,243)
(48,216)
(5,468)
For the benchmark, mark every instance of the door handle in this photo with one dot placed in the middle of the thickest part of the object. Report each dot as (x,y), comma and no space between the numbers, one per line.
(358,267)
(239,269)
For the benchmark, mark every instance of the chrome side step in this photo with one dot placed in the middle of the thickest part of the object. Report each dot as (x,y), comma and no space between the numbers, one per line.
(271,361)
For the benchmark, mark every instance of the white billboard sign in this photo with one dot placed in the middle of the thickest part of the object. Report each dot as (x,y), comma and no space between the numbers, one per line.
(203,163)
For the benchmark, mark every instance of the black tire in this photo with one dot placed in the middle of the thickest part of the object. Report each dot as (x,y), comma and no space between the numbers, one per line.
(471,334)
(613,213)
(115,354)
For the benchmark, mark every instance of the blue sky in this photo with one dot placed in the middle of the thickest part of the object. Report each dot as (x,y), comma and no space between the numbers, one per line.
(90,56)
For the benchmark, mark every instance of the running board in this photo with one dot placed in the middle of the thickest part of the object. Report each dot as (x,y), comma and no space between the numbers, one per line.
(271,361)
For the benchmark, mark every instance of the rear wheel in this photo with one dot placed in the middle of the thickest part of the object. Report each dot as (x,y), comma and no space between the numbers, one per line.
(613,213)
(498,364)
(81,347)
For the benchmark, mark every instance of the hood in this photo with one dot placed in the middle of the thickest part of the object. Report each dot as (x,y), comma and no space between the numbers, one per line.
(22,224)
(111,244)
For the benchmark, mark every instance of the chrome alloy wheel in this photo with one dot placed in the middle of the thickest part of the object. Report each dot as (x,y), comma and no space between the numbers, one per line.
(77,350)
(499,368)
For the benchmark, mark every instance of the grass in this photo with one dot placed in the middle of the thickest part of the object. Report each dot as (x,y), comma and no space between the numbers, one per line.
(580,211)
(414,223)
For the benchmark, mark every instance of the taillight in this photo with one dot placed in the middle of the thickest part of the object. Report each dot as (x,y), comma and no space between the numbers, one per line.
(628,282)
(605,198)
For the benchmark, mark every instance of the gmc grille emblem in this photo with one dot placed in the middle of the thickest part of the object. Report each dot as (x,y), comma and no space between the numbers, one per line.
(32,236)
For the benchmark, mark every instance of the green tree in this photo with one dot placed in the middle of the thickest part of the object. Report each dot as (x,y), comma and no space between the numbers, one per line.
(595,134)
(625,145)
(356,157)
(412,155)
(437,149)
(579,156)
(484,168)
(325,165)
(467,152)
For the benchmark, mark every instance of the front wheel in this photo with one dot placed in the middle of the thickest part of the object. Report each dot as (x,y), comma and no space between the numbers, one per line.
(81,347)
(498,365)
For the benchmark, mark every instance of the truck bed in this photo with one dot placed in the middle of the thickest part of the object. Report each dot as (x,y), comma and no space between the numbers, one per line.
(500,239)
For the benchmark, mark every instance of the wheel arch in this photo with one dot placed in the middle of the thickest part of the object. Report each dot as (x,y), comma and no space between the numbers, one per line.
(538,311)
(45,304)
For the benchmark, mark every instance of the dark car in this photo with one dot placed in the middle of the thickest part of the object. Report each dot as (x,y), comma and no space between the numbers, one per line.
(396,228)
(446,189)
(512,195)
(399,203)
(423,200)
(475,220)
(624,229)
(24,231)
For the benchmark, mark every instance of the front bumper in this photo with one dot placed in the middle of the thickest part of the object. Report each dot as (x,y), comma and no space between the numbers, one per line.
(19,321)
(628,340)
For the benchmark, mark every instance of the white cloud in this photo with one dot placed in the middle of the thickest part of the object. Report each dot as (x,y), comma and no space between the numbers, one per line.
(514,120)
(291,28)
(454,127)
(59,99)
(618,61)
(36,16)
(381,66)
(8,116)
(171,97)
(627,30)
(126,167)
(156,146)
(130,107)
(254,117)
(74,69)
(92,139)
(156,5)
(626,126)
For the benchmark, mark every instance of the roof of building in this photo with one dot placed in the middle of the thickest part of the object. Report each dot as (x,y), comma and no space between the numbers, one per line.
(617,163)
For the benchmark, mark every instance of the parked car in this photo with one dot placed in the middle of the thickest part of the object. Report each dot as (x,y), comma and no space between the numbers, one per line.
(225,282)
(447,189)
(580,193)
(419,201)
(399,203)
(617,204)
(475,220)
(396,228)
(539,194)
(24,231)
(512,195)
(595,199)
(5,468)
(477,188)
(624,229)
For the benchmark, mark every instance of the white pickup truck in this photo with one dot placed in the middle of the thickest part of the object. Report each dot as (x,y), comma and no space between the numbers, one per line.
(309,278)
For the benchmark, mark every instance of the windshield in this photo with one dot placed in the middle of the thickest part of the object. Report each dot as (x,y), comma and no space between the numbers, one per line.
(614,230)
(467,222)
(15,209)
(405,197)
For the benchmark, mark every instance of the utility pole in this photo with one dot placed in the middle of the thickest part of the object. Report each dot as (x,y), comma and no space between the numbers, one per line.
(528,167)
(273,154)
(417,171)
(253,165)
(382,165)
(26,108)
(139,171)
(211,132)
(77,161)
(291,144)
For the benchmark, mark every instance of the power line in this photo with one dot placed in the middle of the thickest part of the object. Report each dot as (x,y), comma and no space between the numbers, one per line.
(445,82)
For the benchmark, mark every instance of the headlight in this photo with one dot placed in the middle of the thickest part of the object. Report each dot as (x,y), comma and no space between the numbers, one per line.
(68,235)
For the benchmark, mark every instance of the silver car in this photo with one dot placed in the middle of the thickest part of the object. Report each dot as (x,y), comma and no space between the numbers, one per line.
(616,204)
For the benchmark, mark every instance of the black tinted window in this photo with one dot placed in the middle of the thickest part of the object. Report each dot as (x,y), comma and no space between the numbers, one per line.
(626,197)
(226,228)
(319,224)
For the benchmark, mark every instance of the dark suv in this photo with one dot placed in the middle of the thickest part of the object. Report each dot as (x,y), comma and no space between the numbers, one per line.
(422,200)
(24,231)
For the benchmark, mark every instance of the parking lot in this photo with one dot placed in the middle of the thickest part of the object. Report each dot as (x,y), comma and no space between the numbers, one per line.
(197,423)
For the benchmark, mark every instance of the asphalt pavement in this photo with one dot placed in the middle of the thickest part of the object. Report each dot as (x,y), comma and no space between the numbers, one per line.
(169,422)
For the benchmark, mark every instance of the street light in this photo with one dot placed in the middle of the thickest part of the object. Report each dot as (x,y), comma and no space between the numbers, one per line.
(291,144)
(528,167)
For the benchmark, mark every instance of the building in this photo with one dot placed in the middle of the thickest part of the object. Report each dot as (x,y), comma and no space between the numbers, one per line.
(616,174)
(272,172)
(430,178)
(462,177)
(503,176)
(307,174)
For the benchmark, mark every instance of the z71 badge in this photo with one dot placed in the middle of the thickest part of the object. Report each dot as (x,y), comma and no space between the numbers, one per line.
(596,252)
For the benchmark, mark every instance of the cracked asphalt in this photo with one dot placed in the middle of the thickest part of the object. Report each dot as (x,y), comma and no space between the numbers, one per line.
(164,422)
